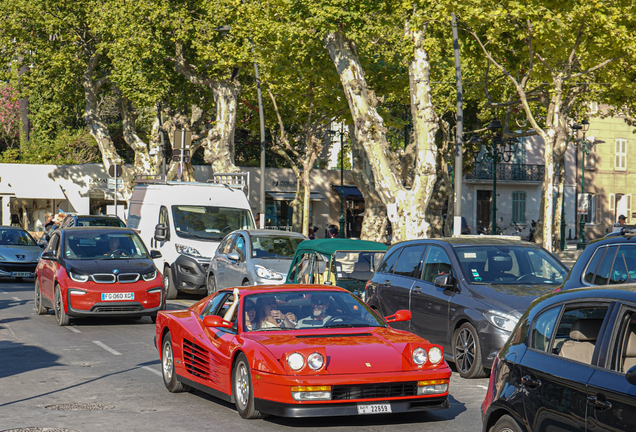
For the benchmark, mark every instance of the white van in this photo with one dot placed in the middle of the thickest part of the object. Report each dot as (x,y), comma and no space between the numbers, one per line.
(186,222)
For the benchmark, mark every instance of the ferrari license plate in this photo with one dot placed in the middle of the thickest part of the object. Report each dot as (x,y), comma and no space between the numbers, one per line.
(381,408)
(21,274)
(117,296)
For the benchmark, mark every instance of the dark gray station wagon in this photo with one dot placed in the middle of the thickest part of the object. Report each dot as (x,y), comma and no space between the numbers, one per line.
(466,294)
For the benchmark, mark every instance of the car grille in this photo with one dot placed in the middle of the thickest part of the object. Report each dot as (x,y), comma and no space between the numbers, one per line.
(373,391)
(116,309)
(111,278)
(198,361)
(18,267)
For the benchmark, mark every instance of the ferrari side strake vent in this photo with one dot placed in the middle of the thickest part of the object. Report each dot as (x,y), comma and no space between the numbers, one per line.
(198,361)
(372,391)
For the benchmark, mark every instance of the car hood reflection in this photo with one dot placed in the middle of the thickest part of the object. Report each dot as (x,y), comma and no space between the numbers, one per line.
(509,297)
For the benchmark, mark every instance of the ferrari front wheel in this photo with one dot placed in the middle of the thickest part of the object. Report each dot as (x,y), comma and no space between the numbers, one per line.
(243,391)
(167,367)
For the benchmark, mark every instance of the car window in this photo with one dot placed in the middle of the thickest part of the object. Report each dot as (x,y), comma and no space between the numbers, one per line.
(437,263)
(577,332)
(16,237)
(356,265)
(99,221)
(590,271)
(410,261)
(617,265)
(389,261)
(543,329)
(239,245)
(273,246)
(301,269)
(164,218)
(53,244)
(604,268)
(623,351)
(322,270)
(214,305)
(209,222)
(225,246)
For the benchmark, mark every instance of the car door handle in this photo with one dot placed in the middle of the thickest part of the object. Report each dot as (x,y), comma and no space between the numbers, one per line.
(598,404)
(530,382)
(418,289)
(387,283)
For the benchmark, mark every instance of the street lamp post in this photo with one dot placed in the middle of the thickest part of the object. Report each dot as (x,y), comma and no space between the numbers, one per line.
(499,151)
(585,150)
(342,197)
(562,243)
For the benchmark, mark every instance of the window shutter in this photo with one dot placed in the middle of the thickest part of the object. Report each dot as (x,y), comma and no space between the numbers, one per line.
(597,203)
(629,208)
(612,201)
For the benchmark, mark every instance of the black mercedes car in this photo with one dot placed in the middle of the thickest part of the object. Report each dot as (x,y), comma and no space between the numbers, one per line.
(569,365)
(465,294)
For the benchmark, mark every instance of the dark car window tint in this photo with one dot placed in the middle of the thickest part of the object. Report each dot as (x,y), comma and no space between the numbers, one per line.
(409,262)
(225,247)
(239,245)
(437,263)
(389,262)
(543,328)
(53,242)
(624,268)
(302,269)
(624,350)
(603,273)
(593,265)
(577,332)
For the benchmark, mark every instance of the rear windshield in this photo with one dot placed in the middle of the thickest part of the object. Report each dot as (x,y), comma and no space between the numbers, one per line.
(97,221)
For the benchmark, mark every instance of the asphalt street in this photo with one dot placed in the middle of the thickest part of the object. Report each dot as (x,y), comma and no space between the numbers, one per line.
(104,375)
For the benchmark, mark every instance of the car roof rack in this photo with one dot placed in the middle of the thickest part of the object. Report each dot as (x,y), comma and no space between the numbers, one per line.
(239,180)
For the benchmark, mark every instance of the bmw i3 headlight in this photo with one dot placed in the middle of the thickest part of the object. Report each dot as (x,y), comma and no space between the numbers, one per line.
(296,361)
(435,355)
(265,273)
(187,250)
(149,276)
(419,356)
(501,320)
(78,277)
(315,361)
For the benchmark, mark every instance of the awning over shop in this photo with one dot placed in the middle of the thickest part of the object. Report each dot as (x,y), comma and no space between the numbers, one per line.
(38,186)
(104,192)
(288,196)
(349,191)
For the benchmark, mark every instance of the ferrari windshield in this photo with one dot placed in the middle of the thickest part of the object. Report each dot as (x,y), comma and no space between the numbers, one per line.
(87,245)
(509,265)
(208,222)
(295,310)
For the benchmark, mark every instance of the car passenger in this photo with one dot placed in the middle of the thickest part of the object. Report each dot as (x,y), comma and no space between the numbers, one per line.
(114,248)
(271,316)
(252,318)
(318,316)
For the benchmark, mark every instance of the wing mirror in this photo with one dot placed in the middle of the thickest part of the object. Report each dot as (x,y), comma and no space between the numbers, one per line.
(161,232)
(234,256)
(631,375)
(154,254)
(48,256)
(216,321)
(445,281)
(399,316)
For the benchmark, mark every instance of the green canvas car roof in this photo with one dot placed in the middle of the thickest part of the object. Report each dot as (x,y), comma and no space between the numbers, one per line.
(330,246)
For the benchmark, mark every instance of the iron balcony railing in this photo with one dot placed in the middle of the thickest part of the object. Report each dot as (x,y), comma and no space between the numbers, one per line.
(514,172)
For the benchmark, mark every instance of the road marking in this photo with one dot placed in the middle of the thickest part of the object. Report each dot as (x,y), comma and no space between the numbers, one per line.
(73,329)
(4,292)
(16,299)
(483,386)
(106,347)
(154,371)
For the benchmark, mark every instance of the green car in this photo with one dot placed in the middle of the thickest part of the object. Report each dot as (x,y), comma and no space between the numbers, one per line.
(346,263)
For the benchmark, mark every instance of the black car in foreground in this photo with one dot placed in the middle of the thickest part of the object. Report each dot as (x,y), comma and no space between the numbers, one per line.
(606,261)
(465,294)
(569,365)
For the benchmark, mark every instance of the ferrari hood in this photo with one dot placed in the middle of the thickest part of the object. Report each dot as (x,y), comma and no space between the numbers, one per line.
(365,350)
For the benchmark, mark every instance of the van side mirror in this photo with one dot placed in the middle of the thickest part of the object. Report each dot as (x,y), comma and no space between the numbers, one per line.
(445,281)
(48,256)
(154,254)
(161,233)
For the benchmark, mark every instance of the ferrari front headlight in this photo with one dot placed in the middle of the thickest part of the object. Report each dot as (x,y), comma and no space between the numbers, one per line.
(296,361)
(419,356)
(315,361)
(435,355)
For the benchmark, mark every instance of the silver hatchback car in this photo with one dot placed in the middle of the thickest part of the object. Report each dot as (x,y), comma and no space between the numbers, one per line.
(19,253)
(252,257)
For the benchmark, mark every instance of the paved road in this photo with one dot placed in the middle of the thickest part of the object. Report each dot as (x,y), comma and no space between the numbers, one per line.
(108,370)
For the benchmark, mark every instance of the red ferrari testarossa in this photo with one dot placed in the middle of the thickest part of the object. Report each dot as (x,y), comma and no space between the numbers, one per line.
(299,351)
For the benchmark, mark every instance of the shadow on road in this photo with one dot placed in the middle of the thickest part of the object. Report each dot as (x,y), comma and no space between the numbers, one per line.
(17,358)
(6,304)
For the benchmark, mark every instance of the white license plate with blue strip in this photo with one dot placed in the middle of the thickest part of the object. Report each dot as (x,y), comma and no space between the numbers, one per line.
(117,296)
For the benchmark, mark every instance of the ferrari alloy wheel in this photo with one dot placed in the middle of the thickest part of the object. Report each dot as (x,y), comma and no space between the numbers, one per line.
(168,284)
(505,424)
(60,314)
(211,284)
(467,352)
(243,392)
(39,309)
(167,367)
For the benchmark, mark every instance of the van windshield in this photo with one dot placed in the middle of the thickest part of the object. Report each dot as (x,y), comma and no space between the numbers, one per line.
(209,223)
